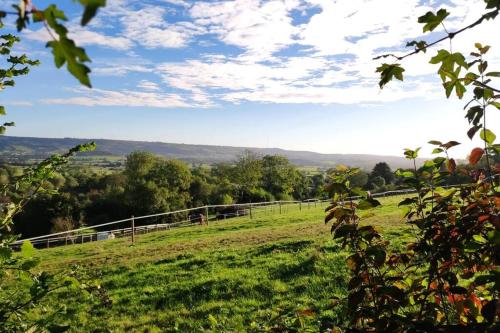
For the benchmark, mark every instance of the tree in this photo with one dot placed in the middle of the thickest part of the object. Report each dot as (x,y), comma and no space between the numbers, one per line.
(247,175)
(155,184)
(202,186)
(278,176)
(360,179)
(382,169)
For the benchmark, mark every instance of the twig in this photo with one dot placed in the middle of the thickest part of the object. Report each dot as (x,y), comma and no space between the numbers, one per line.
(450,35)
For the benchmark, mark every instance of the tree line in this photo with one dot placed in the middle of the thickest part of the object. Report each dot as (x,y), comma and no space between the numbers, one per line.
(151,184)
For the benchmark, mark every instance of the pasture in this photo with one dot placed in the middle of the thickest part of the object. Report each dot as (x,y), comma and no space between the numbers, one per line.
(235,275)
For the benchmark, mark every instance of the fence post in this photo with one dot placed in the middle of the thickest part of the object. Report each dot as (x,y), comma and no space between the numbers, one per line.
(300,205)
(280,206)
(251,216)
(206,213)
(132,222)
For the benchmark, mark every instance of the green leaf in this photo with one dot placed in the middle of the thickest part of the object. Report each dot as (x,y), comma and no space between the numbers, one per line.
(475,114)
(407,201)
(27,249)
(91,7)
(64,49)
(344,230)
(388,72)
(5,253)
(470,78)
(437,150)
(432,20)
(30,264)
(487,136)
(493,74)
(2,111)
(378,254)
(411,154)
(479,239)
(403,173)
(419,45)
(368,203)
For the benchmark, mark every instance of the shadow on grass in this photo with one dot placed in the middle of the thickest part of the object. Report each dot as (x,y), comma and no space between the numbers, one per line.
(290,271)
(208,291)
(283,247)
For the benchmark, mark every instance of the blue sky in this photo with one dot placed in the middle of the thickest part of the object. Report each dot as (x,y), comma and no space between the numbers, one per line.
(295,74)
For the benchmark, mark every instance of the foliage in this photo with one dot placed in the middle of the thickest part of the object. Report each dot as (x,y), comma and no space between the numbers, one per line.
(448,275)
(64,49)
(23,290)
(383,170)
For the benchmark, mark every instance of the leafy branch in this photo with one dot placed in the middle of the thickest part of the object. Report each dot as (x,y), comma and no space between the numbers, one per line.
(64,49)
(431,23)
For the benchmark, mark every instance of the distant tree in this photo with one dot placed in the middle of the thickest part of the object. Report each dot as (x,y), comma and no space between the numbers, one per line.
(202,186)
(247,175)
(225,189)
(302,186)
(359,179)
(138,165)
(278,176)
(318,182)
(155,184)
(383,170)
(377,182)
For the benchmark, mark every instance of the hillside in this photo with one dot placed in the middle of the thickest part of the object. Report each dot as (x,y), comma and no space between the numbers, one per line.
(22,149)
(231,276)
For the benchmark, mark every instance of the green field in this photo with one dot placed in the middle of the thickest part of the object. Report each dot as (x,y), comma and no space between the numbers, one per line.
(231,276)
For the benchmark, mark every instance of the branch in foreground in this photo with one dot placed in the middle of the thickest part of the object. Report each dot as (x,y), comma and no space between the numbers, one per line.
(450,35)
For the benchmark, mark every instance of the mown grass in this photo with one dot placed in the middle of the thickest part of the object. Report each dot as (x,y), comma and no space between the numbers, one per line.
(227,277)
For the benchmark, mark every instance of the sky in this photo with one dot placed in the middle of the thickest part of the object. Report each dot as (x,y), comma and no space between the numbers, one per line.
(293,74)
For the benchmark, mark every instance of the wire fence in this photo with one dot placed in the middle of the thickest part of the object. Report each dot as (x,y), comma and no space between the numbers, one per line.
(203,215)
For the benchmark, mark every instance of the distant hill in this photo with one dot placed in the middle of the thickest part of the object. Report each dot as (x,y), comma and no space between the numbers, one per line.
(27,148)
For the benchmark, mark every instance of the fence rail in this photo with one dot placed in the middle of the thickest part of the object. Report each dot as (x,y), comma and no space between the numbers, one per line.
(82,235)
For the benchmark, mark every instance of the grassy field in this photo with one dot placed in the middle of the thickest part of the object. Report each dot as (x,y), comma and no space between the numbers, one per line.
(230,276)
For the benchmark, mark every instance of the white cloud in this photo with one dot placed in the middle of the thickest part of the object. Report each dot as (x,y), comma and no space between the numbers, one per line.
(342,38)
(120,69)
(148,85)
(181,3)
(131,98)
(288,51)
(83,37)
(17,103)
(148,27)
(260,28)
(101,97)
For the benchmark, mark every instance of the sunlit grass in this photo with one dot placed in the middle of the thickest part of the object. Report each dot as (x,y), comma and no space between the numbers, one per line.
(238,270)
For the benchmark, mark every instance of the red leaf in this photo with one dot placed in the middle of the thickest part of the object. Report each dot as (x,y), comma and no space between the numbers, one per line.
(451,165)
(475,155)
(483,218)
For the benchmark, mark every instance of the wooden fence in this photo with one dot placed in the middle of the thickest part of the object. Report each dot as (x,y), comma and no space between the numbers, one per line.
(186,217)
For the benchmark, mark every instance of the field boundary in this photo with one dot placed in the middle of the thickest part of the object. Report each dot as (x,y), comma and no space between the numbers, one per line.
(178,218)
